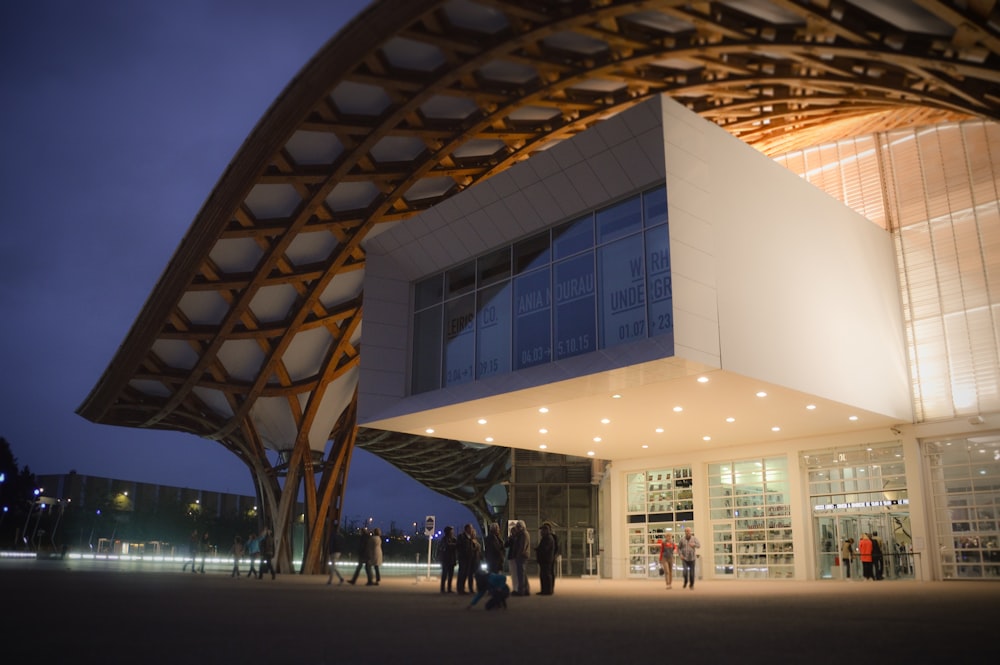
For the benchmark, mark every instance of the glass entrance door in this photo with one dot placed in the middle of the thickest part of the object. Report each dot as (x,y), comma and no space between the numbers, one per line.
(892,530)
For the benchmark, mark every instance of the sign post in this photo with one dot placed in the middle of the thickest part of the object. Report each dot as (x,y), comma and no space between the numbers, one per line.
(429,532)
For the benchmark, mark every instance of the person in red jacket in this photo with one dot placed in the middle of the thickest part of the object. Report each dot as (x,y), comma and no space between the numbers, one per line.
(865,552)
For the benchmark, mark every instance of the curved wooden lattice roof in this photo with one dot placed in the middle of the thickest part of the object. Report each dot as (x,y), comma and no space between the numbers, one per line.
(252,335)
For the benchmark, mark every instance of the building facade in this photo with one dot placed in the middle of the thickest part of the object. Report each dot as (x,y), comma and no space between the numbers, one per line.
(803,372)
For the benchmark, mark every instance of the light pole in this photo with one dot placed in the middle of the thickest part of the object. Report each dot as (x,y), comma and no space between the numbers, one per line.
(31,507)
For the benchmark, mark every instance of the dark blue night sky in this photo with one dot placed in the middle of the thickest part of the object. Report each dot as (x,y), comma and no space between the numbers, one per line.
(118,118)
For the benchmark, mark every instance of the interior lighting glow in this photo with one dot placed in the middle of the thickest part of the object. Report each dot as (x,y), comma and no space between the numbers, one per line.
(730,419)
(605,421)
(543,431)
(852,418)
(678,409)
(429,430)
(775,429)
(590,453)
(659,430)
(706,438)
(616,396)
(645,446)
(597,439)
(481,421)
(811,407)
(489,439)
(702,379)
(542,446)
(761,394)
(544,409)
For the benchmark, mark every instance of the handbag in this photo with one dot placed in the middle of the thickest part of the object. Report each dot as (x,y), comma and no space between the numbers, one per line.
(662,572)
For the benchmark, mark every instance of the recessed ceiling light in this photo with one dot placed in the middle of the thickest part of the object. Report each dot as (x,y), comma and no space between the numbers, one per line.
(702,379)
(481,421)
(543,431)
(659,430)
(852,418)
(730,419)
(811,407)
(616,396)
(489,439)
(542,446)
(678,409)
(590,453)
(775,429)
(706,438)
(605,421)
(544,409)
(597,439)
(429,430)
(761,393)
(645,446)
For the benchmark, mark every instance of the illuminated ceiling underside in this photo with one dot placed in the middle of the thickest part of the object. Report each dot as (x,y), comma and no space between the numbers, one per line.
(252,335)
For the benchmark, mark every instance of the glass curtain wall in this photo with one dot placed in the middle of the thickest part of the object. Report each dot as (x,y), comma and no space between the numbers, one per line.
(594,282)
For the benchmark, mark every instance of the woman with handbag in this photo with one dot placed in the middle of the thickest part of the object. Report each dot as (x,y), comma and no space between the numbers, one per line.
(667,548)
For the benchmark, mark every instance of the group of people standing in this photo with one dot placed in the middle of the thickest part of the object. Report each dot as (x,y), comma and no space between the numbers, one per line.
(256,546)
(869,552)
(197,544)
(465,551)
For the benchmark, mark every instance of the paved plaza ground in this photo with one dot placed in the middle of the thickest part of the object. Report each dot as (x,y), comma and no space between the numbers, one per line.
(86,612)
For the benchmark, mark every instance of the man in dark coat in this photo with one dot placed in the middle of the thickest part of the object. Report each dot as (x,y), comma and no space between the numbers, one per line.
(545,554)
(362,559)
(266,553)
(493,547)
(469,554)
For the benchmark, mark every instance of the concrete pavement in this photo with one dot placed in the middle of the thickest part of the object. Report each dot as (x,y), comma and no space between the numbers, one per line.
(62,611)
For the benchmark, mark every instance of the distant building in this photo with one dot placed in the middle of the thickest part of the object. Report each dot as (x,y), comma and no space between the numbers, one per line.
(123,516)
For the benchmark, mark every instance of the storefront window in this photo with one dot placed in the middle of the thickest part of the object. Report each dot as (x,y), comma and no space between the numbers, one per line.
(751,518)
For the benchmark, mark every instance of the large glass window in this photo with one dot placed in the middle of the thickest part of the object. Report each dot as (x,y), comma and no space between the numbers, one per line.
(623,291)
(460,342)
(619,220)
(575,328)
(426,373)
(493,328)
(597,281)
(751,518)
(965,489)
(532,253)
(659,291)
(532,319)
(659,501)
